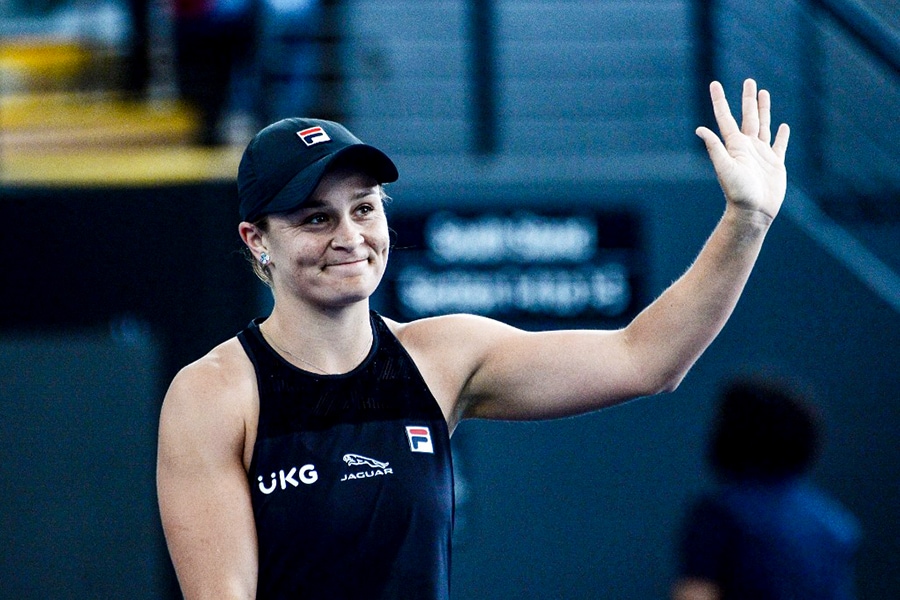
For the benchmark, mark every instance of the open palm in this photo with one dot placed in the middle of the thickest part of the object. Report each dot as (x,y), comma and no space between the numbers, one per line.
(751,172)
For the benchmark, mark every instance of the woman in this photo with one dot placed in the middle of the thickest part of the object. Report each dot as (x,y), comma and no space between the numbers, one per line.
(309,455)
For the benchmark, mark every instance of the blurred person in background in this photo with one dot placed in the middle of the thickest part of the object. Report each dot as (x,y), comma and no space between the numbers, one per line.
(137,58)
(214,40)
(309,456)
(767,532)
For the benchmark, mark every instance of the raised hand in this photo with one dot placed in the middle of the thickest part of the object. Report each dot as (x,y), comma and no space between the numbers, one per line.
(751,172)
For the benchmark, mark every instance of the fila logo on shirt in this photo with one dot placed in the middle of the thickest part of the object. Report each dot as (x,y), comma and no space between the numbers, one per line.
(313,136)
(307,475)
(419,439)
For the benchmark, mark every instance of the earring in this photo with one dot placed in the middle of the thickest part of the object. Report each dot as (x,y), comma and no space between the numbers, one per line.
(264,259)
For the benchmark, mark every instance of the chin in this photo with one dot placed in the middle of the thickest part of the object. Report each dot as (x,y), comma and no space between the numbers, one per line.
(349,297)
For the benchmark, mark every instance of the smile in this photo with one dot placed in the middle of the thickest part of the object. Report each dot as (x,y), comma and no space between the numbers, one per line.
(351,264)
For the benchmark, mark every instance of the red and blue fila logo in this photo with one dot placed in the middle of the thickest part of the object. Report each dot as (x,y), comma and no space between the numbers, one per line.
(419,439)
(313,136)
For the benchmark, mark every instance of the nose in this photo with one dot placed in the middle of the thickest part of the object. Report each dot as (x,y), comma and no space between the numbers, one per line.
(347,235)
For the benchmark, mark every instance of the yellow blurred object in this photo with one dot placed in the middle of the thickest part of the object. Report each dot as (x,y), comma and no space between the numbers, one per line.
(156,165)
(58,121)
(38,62)
(62,123)
(97,139)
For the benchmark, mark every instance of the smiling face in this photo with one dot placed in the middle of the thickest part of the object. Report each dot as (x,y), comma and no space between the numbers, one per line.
(331,252)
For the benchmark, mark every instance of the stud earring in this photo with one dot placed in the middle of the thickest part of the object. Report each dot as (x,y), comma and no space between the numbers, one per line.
(264,259)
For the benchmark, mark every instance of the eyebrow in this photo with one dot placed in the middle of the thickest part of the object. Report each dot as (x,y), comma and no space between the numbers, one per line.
(319,203)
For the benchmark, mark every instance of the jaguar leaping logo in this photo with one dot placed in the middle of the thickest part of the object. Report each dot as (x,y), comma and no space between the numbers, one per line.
(354,460)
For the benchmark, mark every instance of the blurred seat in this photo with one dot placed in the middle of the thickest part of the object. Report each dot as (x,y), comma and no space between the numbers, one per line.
(65,119)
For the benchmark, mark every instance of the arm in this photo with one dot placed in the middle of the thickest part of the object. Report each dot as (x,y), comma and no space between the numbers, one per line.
(668,337)
(510,374)
(204,496)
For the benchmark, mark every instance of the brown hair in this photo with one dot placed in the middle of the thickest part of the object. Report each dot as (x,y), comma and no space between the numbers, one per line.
(765,430)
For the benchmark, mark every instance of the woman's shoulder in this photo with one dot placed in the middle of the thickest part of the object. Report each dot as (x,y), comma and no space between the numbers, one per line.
(223,374)
(454,344)
(448,350)
(446,330)
(208,416)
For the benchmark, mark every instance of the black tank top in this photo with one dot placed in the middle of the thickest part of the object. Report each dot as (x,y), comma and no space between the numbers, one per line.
(351,478)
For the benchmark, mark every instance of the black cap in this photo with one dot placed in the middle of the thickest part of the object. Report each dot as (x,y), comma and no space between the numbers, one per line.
(284,163)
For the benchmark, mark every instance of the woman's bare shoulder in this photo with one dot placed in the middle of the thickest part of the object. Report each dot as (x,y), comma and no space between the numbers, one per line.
(225,369)
(459,331)
(448,350)
(216,393)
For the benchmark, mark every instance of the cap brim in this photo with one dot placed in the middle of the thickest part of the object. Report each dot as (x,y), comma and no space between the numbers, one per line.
(368,159)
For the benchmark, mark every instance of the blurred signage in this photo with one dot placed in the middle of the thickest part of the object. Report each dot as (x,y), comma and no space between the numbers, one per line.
(516,266)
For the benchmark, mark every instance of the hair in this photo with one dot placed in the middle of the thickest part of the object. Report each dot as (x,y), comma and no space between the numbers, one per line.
(765,430)
(262,223)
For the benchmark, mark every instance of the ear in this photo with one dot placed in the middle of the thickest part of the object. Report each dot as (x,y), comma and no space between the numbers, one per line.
(253,237)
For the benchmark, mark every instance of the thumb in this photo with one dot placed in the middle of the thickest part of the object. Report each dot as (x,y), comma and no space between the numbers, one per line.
(714,146)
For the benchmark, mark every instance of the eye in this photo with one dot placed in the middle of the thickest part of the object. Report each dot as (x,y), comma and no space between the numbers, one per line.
(315,219)
(365,210)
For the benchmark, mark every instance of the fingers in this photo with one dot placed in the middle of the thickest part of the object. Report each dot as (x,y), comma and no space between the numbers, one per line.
(781,140)
(714,146)
(749,109)
(764,112)
(765,115)
(756,116)
(727,125)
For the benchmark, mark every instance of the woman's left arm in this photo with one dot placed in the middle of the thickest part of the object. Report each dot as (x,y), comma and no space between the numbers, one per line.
(535,375)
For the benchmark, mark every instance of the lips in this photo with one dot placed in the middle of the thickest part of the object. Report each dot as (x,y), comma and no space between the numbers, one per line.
(348,264)
(353,261)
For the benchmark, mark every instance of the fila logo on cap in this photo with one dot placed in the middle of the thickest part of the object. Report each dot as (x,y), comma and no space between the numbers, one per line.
(313,136)
(419,439)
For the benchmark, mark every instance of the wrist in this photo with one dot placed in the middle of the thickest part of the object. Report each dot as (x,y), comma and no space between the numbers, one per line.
(747,219)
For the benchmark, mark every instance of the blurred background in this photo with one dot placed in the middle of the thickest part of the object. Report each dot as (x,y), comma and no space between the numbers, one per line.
(550,177)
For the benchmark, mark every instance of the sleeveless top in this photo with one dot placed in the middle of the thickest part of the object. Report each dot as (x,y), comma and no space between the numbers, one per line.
(351,478)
